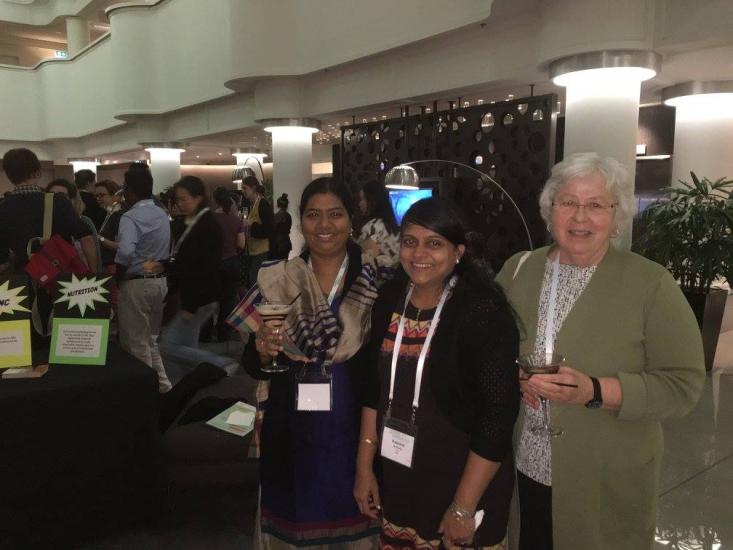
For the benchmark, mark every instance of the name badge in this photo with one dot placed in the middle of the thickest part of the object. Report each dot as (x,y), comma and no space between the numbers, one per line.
(313,393)
(398,441)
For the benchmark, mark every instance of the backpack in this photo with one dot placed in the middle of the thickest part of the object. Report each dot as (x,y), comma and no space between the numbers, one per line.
(55,256)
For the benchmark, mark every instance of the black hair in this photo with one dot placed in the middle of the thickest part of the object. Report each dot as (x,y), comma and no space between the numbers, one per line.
(83,178)
(327,185)
(194,187)
(251,181)
(223,198)
(444,218)
(283,202)
(71,190)
(20,165)
(139,180)
(378,205)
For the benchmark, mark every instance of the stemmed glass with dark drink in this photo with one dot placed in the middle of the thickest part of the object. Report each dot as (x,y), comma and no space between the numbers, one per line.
(270,311)
(542,363)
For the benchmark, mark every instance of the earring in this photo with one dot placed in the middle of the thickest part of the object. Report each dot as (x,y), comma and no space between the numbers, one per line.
(458,260)
(549,227)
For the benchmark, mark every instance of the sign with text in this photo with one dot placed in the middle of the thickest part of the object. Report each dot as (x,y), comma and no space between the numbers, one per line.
(80,329)
(15,323)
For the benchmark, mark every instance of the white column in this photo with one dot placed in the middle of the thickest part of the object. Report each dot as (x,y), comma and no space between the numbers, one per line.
(77,35)
(602,116)
(84,165)
(703,137)
(292,155)
(165,166)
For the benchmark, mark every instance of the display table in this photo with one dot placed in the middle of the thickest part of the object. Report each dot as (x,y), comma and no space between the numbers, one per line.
(79,452)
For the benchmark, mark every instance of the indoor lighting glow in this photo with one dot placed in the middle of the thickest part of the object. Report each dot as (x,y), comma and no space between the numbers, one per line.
(163,153)
(242,158)
(296,130)
(402,187)
(703,106)
(611,76)
(84,165)
(652,157)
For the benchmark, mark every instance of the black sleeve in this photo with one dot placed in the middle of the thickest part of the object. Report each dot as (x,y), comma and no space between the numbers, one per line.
(92,209)
(491,348)
(4,243)
(264,229)
(113,226)
(200,264)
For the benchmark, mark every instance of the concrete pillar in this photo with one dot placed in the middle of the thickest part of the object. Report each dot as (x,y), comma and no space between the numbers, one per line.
(165,166)
(703,133)
(292,162)
(77,34)
(602,106)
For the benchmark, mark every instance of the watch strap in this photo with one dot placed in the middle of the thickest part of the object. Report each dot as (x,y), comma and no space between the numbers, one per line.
(597,399)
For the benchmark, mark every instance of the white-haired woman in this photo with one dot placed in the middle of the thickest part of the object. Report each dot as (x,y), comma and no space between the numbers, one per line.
(633,356)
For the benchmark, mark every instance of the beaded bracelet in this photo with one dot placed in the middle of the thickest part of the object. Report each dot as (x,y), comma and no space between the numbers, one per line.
(460,512)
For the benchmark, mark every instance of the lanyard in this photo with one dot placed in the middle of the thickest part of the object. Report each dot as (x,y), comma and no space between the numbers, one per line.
(179,242)
(423,352)
(337,281)
(550,325)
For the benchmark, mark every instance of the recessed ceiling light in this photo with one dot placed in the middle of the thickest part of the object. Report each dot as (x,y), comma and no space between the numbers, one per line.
(219,154)
(198,156)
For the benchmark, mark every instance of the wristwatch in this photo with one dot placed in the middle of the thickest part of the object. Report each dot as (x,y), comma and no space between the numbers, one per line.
(597,400)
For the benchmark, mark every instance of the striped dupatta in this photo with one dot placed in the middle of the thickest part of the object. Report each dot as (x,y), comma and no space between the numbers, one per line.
(311,325)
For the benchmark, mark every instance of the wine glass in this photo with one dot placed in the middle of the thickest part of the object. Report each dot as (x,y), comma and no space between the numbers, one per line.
(542,363)
(270,311)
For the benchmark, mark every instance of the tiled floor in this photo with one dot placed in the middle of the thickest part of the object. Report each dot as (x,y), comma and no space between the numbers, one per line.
(696,499)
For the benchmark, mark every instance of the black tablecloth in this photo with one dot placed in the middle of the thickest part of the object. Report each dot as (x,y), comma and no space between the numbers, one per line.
(79,452)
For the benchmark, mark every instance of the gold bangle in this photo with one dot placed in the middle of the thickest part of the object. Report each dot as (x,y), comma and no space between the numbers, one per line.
(370,441)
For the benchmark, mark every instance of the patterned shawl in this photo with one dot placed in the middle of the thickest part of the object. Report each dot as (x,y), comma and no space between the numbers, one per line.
(311,325)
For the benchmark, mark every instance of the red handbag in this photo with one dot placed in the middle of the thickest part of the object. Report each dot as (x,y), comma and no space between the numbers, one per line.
(56,256)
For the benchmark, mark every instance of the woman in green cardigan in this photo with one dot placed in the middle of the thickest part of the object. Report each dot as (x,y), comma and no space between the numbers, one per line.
(633,356)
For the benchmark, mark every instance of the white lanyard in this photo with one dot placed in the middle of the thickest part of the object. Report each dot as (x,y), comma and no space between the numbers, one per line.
(337,281)
(425,347)
(550,325)
(179,242)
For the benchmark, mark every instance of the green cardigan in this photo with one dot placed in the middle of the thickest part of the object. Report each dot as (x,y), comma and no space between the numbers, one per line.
(632,322)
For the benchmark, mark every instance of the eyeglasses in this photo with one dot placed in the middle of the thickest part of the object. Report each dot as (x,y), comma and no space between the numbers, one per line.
(591,208)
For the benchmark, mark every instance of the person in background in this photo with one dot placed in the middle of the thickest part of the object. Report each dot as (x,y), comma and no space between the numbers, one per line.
(308,458)
(232,229)
(69,190)
(144,236)
(466,404)
(108,195)
(84,181)
(194,275)
(259,226)
(633,357)
(21,219)
(281,245)
(380,231)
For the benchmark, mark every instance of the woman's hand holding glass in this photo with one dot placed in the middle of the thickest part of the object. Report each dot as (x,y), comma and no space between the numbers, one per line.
(269,340)
(566,386)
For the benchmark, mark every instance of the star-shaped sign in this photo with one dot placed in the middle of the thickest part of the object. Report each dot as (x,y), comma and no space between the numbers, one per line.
(83,292)
(10,299)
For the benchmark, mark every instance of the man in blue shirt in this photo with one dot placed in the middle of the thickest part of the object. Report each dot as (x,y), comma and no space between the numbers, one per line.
(144,235)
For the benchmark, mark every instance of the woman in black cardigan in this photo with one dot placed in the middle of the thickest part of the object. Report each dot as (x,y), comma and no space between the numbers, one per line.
(193,275)
(448,454)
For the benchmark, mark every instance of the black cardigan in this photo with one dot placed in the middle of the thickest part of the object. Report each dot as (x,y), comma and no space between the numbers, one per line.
(473,374)
(195,271)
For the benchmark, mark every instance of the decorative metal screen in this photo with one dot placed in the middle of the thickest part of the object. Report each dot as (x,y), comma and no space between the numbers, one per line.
(511,141)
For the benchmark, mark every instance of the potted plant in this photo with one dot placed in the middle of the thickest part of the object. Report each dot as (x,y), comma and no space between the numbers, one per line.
(691,234)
